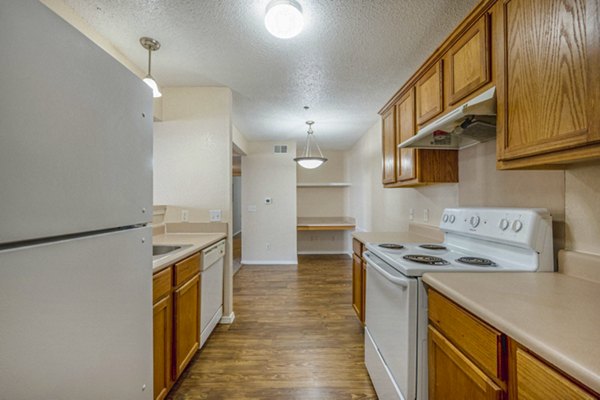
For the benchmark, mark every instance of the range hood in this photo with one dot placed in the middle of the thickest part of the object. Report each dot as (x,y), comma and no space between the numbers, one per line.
(471,123)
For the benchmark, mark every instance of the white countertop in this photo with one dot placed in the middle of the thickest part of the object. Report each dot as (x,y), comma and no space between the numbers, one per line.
(198,241)
(554,315)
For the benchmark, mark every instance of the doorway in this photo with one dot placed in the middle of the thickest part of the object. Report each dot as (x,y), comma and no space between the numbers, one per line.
(236,169)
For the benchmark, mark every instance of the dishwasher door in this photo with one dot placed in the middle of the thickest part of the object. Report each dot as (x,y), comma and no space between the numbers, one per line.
(211,295)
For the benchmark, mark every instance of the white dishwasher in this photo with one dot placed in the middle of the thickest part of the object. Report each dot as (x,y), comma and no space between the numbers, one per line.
(211,293)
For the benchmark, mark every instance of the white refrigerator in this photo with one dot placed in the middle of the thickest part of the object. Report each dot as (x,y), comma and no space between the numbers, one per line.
(75,203)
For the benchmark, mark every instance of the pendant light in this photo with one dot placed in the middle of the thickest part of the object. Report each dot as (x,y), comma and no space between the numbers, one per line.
(283,18)
(151,45)
(309,158)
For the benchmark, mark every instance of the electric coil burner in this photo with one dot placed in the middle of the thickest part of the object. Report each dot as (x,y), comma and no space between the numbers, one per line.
(429,260)
(391,246)
(433,247)
(477,261)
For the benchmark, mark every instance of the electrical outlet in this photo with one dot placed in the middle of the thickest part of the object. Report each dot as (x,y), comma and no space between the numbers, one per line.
(252,208)
(426,215)
(411,214)
(268,246)
(185,215)
(215,215)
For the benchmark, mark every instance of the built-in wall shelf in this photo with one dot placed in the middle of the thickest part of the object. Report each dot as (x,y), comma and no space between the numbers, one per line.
(324,184)
(326,223)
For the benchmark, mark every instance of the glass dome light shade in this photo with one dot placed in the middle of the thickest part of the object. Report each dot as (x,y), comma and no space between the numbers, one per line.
(284,19)
(149,80)
(310,162)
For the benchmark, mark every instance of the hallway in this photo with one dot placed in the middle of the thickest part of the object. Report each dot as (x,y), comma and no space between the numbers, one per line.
(295,337)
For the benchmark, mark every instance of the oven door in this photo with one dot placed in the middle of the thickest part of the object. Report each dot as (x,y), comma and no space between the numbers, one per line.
(391,330)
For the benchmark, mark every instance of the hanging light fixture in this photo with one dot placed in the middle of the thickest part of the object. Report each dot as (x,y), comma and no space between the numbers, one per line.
(151,45)
(283,18)
(309,158)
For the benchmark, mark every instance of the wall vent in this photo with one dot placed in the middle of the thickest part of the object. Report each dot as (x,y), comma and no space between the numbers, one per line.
(280,148)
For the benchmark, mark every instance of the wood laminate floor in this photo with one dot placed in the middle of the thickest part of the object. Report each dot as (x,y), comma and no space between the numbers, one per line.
(295,337)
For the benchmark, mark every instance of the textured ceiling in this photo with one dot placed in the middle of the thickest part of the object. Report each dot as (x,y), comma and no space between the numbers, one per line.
(348,61)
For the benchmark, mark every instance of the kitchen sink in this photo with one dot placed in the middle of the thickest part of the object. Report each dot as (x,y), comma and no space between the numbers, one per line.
(159,251)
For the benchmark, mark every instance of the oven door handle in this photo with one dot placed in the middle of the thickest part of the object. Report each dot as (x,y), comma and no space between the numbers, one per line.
(398,281)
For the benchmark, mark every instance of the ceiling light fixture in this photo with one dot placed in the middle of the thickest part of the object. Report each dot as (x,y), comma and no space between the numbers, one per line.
(151,45)
(283,18)
(308,160)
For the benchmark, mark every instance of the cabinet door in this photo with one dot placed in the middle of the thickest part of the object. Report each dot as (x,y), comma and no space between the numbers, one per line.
(357,284)
(187,323)
(162,330)
(388,141)
(453,376)
(469,61)
(405,129)
(537,381)
(429,94)
(551,90)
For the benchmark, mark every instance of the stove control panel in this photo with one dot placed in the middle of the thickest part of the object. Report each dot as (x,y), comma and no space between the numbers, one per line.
(517,226)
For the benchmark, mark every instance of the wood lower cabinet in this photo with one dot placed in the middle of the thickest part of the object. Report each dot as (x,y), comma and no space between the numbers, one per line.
(176,321)
(162,331)
(359,280)
(535,380)
(187,323)
(453,376)
(549,85)
(468,359)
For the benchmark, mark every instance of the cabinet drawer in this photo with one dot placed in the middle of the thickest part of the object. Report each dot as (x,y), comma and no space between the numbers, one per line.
(482,343)
(536,380)
(187,268)
(161,284)
(357,247)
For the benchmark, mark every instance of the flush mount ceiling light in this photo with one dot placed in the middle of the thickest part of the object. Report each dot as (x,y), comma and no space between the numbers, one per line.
(283,18)
(151,45)
(310,159)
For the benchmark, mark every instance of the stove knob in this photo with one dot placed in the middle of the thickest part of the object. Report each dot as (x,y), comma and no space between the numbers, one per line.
(452,219)
(445,218)
(474,221)
(517,226)
(504,224)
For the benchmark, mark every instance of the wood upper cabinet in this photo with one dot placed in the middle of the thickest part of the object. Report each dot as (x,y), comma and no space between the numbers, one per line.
(453,376)
(405,129)
(549,86)
(388,141)
(187,323)
(429,94)
(469,62)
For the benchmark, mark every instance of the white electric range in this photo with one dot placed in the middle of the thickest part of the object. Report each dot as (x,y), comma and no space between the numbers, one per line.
(475,239)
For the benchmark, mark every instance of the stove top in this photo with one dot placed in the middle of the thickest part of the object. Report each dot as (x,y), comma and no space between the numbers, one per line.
(480,262)
(433,247)
(428,260)
(391,246)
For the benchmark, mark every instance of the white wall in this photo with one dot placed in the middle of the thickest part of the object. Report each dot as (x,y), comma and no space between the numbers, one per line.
(266,174)
(192,158)
(387,210)
(324,202)
(237,204)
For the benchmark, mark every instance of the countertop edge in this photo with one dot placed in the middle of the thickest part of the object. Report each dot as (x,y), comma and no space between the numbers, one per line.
(180,255)
(588,378)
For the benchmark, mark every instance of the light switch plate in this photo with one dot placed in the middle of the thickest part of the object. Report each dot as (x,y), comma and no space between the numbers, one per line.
(215,215)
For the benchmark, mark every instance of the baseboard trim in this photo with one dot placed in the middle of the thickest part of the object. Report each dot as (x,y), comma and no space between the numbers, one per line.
(287,262)
(227,319)
(324,252)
